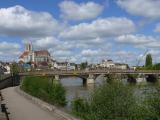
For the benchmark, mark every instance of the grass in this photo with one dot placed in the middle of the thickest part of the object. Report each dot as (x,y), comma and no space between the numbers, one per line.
(45,89)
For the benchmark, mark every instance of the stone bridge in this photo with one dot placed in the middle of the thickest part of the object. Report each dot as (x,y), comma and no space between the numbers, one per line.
(89,76)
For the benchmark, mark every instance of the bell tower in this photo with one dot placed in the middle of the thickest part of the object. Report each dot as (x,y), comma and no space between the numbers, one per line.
(28,47)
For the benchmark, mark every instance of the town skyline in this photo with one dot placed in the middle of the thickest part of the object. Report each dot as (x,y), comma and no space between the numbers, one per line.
(121,30)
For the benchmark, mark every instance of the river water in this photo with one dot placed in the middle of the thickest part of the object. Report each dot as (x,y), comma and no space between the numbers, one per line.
(75,88)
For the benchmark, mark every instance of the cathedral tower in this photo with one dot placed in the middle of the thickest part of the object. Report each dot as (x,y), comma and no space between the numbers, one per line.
(28,47)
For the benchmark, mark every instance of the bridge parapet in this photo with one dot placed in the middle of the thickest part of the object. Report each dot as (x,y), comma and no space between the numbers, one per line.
(87,72)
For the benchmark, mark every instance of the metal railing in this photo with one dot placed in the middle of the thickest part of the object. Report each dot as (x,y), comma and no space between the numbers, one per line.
(4,108)
(96,71)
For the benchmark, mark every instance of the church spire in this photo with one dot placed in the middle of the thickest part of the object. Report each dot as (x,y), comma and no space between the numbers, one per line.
(28,47)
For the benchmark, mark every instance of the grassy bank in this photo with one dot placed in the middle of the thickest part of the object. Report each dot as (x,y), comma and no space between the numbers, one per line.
(45,89)
(115,101)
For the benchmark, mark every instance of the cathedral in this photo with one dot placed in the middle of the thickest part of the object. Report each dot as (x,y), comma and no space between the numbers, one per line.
(36,58)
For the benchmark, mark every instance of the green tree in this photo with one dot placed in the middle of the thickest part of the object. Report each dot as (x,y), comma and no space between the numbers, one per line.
(156,66)
(76,66)
(148,63)
(113,101)
(45,89)
(84,65)
(14,68)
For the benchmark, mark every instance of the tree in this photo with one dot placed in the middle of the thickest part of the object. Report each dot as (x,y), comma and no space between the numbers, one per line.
(148,61)
(156,66)
(111,101)
(14,68)
(76,66)
(84,65)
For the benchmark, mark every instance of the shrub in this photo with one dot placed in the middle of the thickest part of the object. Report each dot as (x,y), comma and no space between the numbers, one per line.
(153,102)
(80,107)
(45,89)
(113,101)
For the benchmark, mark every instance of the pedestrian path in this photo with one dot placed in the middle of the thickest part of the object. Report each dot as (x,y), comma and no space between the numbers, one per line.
(23,109)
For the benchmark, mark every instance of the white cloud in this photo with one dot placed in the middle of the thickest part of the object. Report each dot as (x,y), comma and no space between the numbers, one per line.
(122,56)
(99,28)
(6,46)
(89,52)
(92,41)
(18,21)
(9,50)
(157,29)
(146,8)
(74,11)
(134,39)
(61,53)
(139,40)
(45,43)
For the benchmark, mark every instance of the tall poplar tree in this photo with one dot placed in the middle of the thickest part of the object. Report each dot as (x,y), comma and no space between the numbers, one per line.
(148,60)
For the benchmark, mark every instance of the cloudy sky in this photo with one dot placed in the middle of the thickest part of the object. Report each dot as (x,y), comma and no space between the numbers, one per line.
(80,30)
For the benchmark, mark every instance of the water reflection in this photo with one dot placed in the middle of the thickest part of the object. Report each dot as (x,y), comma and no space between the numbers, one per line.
(75,88)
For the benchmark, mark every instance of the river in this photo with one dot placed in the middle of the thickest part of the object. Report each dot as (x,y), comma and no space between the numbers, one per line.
(75,88)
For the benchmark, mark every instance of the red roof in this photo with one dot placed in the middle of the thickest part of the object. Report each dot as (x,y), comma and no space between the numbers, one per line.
(42,52)
(24,54)
(43,63)
(37,53)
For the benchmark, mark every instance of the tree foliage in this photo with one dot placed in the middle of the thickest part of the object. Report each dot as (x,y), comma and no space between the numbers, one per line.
(83,65)
(14,68)
(113,101)
(45,89)
(153,102)
(156,66)
(148,62)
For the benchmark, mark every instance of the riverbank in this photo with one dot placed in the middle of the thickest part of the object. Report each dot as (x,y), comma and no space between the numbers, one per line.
(45,88)
(22,106)
(45,105)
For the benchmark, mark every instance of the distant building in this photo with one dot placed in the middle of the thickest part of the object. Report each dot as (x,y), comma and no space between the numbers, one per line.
(111,65)
(8,69)
(135,67)
(107,64)
(36,58)
(64,66)
(121,66)
(3,70)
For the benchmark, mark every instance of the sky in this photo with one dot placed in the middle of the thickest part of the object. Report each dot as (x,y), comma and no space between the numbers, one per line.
(81,30)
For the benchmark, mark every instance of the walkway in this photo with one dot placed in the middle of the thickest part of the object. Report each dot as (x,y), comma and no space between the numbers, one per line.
(23,109)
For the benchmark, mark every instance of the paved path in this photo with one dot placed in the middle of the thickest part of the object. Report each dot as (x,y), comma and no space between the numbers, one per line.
(23,109)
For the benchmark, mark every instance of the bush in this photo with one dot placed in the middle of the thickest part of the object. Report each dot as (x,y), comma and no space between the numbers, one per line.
(153,102)
(80,107)
(45,89)
(113,101)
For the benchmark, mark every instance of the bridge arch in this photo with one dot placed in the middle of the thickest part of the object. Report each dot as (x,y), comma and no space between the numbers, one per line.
(83,78)
(151,78)
(86,79)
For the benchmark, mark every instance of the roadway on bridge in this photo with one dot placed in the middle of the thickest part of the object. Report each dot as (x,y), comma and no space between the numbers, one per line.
(23,109)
